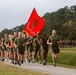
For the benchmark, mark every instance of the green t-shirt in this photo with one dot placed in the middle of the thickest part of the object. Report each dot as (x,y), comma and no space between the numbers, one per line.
(13,39)
(6,41)
(31,42)
(54,40)
(36,42)
(20,42)
(27,45)
(44,41)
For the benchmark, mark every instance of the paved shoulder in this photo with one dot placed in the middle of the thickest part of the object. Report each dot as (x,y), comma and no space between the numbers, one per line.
(47,69)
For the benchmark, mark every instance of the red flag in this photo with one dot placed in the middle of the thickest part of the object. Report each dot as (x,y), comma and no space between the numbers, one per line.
(34,24)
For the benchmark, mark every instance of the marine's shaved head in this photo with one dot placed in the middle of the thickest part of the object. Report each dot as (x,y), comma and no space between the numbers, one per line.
(53,32)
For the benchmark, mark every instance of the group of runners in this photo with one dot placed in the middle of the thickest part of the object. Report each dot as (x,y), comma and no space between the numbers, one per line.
(19,47)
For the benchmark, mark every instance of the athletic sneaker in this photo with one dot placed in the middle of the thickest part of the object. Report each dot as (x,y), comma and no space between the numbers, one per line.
(2,59)
(44,62)
(33,61)
(55,65)
(15,62)
(12,62)
(26,60)
(22,61)
(19,63)
(6,59)
(29,60)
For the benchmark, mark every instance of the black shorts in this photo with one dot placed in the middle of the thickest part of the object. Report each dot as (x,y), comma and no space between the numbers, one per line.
(45,48)
(55,49)
(21,51)
(27,47)
(31,49)
(37,48)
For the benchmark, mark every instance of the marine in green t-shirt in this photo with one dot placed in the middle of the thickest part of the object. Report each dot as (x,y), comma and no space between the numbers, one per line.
(6,43)
(53,41)
(20,42)
(55,46)
(36,43)
(31,48)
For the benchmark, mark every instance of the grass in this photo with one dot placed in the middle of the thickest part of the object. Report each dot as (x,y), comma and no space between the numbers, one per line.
(67,57)
(10,70)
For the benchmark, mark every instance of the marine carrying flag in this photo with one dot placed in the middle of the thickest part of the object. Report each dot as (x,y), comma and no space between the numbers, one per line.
(34,24)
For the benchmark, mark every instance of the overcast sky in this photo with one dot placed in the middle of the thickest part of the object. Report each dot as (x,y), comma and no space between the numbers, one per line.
(16,12)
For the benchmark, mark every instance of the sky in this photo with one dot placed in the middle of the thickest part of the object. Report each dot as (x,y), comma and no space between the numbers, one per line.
(16,12)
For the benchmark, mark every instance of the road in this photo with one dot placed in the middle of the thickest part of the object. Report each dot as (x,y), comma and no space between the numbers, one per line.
(47,69)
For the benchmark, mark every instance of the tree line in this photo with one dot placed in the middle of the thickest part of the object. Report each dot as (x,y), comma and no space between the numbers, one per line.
(63,20)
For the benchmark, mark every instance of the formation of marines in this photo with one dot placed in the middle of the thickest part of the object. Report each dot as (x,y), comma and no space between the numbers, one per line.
(19,47)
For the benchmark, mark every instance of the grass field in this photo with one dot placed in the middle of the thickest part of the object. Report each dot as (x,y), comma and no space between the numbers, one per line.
(67,57)
(10,70)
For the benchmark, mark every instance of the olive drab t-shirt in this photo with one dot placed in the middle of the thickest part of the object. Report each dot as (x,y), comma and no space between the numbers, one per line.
(27,45)
(44,41)
(20,42)
(31,40)
(14,38)
(36,42)
(31,48)
(54,40)
(6,42)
